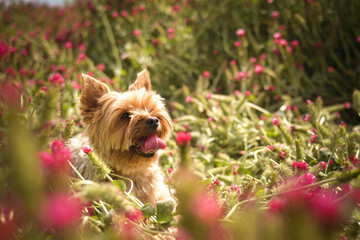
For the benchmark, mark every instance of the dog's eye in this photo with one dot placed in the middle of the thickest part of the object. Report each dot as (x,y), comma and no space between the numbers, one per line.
(125,115)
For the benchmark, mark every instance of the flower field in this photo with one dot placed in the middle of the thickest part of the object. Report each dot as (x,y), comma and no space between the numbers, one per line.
(264,98)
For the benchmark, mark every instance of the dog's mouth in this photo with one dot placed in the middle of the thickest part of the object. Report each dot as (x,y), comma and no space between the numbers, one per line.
(148,146)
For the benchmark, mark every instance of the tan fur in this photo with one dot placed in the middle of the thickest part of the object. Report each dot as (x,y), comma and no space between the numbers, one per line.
(111,137)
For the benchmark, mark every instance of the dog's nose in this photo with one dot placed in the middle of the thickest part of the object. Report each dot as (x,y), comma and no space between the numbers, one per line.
(152,122)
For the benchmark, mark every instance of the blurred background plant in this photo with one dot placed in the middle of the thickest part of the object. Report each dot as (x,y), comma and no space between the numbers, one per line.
(265,108)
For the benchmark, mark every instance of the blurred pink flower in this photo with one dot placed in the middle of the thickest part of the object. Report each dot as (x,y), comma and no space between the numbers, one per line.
(347,105)
(115,14)
(277,204)
(313,138)
(206,74)
(307,117)
(295,43)
(183,138)
(124,13)
(60,211)
(206,208)
(270,147)
(283,154)
(307,178)
(4,48)
(188,99)
(300,165)
(358,39)
(136,32)
(237,43)
(233,62)
(275,121)
(240,32)
(56,79)
(81,56)
(211,119)
(101,67)
(330,69)
(68,44)
(277,35)
(275,14)
(86,150)
(209,95)
(252,59)
(323,165)
(10,93)
(134,215)
(57,160)
(258,69)
(263,56)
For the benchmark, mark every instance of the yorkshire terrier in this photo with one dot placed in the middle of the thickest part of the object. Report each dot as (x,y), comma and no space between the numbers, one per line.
(126,130)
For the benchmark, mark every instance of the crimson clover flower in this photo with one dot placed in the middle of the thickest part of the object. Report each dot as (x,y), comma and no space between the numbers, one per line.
(57,160)
(60,211)
(183,138)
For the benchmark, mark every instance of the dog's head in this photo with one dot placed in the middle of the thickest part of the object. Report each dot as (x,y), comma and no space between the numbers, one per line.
(134,123)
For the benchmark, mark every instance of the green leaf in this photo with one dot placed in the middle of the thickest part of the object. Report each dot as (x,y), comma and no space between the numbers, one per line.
(120,184)
(148,210)
(164,211)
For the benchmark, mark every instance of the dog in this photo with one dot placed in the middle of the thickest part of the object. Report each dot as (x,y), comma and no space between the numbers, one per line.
(126,130)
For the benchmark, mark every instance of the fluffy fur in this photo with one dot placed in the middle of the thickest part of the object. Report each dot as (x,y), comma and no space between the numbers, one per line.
(114,122)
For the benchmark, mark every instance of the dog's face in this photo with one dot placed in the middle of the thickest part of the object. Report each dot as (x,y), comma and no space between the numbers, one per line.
(131,125)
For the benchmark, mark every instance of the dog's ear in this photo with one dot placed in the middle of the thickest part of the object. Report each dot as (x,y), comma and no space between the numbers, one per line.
(92,90)
(142,81)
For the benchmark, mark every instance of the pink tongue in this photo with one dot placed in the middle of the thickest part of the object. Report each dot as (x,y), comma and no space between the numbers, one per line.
(152,144)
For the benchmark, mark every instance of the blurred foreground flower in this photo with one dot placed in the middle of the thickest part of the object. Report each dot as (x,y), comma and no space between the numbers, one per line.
(60,211)
(57,160)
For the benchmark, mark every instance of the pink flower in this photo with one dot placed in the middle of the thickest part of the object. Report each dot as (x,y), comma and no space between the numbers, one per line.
(188,99)
(114,14)
(68,44)
(237,93)
(263,56)
(313,138)
(58,159)
(4,48)
(275,14)
(295,43)
(43,89)
(277,35)
(82,47)
(86,150)
(326,209)
(170,170)
(56,79)
(237,43)
(277,204)
(270,147)
(347,105)
(322,165)
(136,32)
(101,67)
(330,69)
(240,32)
(81,56)
(206,208)
(307,117)
(155,41)
(206,74)
(307,178)
(283,42)
(275,121)
(124,13)
(134,215)
(11,93)
(258,69)
(183,138)
(242,74)
(252,59)
(171,30)
(283,154)
(60,211)
(300,165)
(247,93)
(358,39)
(209,95)
(211,119)
(233,62)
